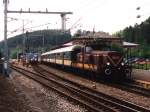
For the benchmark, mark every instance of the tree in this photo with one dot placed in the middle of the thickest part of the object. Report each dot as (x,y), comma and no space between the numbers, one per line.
(37,40)
(78,33)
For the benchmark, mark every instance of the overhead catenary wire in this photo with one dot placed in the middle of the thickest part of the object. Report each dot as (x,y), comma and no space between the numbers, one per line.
(89,6)
(20,28)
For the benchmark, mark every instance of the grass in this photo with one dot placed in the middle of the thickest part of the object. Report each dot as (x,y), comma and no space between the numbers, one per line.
(145,66)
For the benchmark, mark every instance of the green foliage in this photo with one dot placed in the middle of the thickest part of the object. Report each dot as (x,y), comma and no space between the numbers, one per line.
(118,48)
(143,51)
(13,55)
(145,66)
(139,33)
(78,33)
(118,34)
(37,41)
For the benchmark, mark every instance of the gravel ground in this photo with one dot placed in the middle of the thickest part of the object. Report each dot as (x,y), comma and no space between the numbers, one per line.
(11,98)
(43,100)
(118,93)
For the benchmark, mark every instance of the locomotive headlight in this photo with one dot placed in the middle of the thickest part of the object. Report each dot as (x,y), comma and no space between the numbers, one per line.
(108,63)
(122,64)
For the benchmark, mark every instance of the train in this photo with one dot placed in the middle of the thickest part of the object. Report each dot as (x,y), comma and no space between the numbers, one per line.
(100,61)
(32,58)
(28,58)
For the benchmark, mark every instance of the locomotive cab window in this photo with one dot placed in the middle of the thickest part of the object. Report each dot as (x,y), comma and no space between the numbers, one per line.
(67,55)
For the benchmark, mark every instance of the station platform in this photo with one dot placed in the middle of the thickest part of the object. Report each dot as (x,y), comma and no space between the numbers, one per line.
(142,77)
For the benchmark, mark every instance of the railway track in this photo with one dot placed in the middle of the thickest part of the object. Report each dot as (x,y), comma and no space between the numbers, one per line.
(136,89)
(128,86)
(93,100)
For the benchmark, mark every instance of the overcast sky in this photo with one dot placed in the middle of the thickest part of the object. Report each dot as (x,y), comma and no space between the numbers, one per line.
(103,15)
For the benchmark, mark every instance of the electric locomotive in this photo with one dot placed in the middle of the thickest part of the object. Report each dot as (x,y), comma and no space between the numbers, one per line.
(32,58)
(100,60)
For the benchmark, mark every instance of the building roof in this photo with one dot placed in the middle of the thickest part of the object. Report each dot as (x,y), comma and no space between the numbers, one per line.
(129,44)
(60,50)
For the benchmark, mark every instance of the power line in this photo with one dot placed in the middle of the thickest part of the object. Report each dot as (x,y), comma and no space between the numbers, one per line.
(89,8)
(38,26)
(20,28)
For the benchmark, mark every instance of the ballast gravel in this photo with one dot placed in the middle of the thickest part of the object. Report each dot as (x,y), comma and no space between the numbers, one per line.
(115,92)
(43,99)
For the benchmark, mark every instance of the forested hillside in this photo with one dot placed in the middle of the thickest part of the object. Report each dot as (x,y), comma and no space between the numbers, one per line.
(140,34)
(37,41)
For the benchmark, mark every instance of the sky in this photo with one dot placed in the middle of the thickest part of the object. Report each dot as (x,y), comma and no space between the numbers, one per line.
(102,15)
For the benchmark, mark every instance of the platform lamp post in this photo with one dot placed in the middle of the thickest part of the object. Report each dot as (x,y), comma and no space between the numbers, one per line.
(138,17)
(6,67)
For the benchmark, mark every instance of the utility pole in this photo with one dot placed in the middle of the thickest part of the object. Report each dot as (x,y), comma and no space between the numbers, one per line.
(6,67)
(43,43)
(23,46)
(27,49)
(63,19)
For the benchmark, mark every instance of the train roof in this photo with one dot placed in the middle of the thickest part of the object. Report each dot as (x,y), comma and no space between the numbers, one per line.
(64,49)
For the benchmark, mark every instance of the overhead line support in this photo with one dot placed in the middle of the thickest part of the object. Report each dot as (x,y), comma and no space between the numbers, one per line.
(62,14)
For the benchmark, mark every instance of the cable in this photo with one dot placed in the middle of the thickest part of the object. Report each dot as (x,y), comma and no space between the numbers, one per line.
(89,9)
(38,26)
(20,29)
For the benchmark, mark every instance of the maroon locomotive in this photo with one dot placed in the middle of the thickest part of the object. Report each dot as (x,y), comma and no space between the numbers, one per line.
(96,58)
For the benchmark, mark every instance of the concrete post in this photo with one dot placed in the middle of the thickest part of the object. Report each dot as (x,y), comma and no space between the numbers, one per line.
(6,67)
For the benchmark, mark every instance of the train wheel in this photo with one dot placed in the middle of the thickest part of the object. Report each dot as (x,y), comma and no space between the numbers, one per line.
(108,71)
(128,73)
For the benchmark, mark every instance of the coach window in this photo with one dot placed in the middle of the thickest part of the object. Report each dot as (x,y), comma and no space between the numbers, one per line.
(88,49)
(66,55)
(49,56)
(61,55)
(58,55)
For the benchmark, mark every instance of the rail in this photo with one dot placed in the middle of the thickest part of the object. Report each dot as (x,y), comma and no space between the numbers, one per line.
(85,96)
